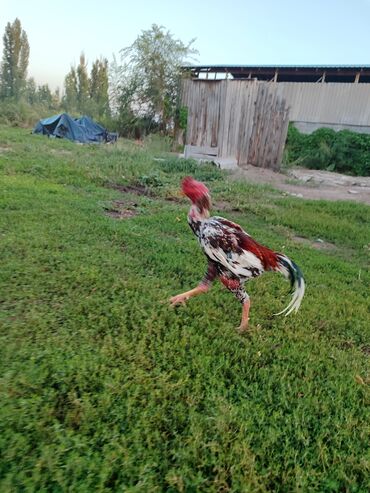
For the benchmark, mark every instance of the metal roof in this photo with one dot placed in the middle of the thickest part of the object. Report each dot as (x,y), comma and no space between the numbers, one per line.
(289,66)
(286,73)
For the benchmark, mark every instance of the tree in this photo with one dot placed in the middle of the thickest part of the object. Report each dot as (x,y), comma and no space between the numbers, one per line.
(15,60)
(82,85)
(151,71)
(55,99)
(31,90)
(84,94)
(114,86)
(70,87)
(99,87)
(44,95)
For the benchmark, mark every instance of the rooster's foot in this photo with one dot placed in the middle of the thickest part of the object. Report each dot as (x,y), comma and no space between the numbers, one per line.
(244,327)
(179,299)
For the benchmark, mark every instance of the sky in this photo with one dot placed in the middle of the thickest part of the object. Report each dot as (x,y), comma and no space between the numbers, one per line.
(242,32)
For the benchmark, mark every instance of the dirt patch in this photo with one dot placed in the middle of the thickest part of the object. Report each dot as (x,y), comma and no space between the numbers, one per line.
(122,210)
(366,350)
(134,189)
(318,244)
(347,345)
(223,205)
(142,190)
(4,149)
(310,184)
(173,198)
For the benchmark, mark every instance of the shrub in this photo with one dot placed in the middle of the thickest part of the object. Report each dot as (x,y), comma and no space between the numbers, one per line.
(343,151)
(23,114)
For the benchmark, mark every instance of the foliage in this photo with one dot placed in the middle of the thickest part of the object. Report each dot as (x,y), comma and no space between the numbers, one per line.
(31,91)
(22,113)
(99,87)
(84,94)
(15,60)
(70,88)
(135,98)
(105,388)
(23,103)
(343,151)
(150,75)
(83,85)
(44,95)
(183,117)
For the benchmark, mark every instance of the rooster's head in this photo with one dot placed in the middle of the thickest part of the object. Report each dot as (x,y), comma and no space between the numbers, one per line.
(197,192)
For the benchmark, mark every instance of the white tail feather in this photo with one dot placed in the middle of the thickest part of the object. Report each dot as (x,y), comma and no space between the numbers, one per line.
(291,271)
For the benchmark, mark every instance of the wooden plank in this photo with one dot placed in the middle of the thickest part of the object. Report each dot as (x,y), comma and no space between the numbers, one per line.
(190,150)
(248,97)
(242,121)
(269,128)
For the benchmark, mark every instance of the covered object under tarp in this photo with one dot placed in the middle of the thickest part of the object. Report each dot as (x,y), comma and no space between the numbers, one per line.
(82,129)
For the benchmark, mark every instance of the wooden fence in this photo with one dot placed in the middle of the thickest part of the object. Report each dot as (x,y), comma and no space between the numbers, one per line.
(239,122)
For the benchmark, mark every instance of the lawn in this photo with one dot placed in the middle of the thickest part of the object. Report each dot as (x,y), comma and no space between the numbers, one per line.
(104,387)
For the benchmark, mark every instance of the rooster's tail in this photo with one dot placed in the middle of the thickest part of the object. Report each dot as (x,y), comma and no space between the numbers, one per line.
(293,273)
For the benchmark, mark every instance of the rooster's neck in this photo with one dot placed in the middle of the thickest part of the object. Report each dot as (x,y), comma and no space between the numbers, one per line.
(196,217)
(197,214)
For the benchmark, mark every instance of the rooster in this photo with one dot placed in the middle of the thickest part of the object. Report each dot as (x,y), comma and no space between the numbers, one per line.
(233,255)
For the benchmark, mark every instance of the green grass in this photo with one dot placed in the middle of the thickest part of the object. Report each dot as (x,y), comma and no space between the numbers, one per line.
(105,388)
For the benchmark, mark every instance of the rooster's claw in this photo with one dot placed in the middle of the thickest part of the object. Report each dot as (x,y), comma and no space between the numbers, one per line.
(179,299)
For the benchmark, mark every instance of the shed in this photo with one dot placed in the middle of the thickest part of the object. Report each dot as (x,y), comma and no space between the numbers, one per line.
(333,96)
(235,122)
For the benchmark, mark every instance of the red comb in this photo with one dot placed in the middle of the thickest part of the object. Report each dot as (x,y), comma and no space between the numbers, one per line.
(193,189)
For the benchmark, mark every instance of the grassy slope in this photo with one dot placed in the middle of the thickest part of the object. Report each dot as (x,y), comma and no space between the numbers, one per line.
(104,387)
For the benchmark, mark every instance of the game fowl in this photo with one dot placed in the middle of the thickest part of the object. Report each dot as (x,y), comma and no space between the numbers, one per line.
(233,255)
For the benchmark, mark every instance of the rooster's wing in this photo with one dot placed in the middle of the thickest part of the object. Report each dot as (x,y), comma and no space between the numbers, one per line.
(227,243)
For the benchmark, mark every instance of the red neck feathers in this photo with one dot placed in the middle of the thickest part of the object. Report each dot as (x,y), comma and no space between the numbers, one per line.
(197,192)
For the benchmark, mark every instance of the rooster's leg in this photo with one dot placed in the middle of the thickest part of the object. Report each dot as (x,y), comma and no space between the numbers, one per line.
(181,298)
(245,316)
(236,286)
(203,287)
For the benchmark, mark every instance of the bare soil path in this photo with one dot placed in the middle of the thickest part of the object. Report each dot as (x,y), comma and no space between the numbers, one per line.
(311,184)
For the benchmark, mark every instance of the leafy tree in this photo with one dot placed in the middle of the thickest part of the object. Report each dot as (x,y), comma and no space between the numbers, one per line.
(44,95)
(31,91)
(99,87)
(15,60)
(55,99)
(84,94)
(151,70)
(82,85)
(70,85)
(114,86)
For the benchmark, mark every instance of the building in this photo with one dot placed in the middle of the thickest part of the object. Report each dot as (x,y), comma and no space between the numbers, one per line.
(337,97)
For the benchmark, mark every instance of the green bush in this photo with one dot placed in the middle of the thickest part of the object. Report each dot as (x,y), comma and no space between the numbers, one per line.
(343,151)
(23,114)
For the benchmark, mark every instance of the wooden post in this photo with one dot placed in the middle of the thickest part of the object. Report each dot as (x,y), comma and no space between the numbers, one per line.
(357,78)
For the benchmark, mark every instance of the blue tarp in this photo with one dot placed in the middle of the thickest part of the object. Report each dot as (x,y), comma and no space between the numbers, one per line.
(82,129)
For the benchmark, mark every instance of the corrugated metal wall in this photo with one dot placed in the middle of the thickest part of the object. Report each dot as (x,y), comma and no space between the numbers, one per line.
(324,103)
(331,103)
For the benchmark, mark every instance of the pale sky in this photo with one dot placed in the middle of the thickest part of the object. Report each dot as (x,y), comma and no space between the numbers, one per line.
(227,32)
